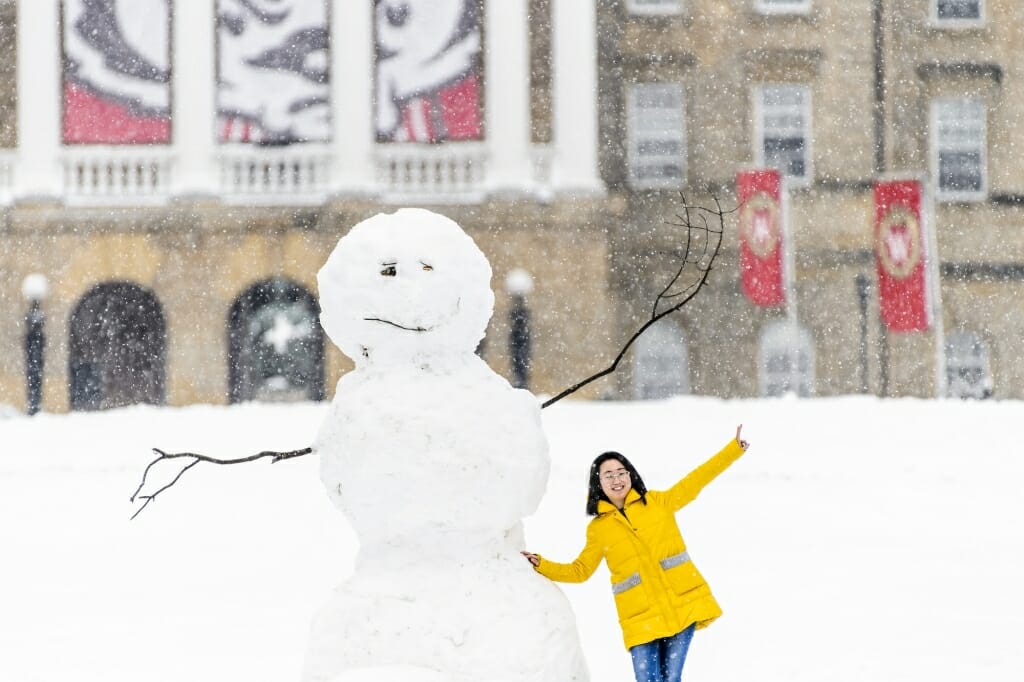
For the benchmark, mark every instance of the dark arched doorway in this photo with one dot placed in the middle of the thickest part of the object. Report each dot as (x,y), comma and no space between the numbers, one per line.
(275,344)
(117,348)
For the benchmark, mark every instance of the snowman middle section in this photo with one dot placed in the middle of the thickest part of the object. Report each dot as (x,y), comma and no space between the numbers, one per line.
(448,457)
(435,469)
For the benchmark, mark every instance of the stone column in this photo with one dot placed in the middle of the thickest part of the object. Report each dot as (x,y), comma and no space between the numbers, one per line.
(194,120)
(574,71)
(352,65)
(38,172)
(507,96)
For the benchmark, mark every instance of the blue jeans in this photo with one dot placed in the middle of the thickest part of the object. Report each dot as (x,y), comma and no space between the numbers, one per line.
(662,660)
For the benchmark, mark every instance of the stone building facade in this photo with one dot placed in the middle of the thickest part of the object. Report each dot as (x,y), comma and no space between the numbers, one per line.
(184,271)
(885,89)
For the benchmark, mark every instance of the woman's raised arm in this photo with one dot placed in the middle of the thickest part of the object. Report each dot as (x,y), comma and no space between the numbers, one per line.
(686,490)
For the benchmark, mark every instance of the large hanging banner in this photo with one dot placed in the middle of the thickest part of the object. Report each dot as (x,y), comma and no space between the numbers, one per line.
(761,236)
(273,76)
(901,254)
(429,75)
(117,82)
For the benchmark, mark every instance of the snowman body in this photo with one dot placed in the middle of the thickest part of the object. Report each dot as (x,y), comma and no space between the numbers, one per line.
(434,459)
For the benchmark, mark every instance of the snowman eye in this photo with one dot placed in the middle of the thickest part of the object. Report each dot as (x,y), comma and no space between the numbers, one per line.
(389,270)
(397,16)
(426,267)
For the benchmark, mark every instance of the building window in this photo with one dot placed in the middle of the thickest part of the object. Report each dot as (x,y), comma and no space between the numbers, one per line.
(117,348)
(657,136)
(967,368)
(660,366)
(782,6)
(275,344)
(958,149)
(958,12)
(786,360)
(783,120)
(654,6)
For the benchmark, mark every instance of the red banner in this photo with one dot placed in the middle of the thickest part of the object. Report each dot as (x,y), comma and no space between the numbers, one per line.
(117,72)
(901,254)
(761,237)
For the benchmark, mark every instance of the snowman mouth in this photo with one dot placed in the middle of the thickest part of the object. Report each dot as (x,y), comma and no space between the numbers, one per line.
(395,324)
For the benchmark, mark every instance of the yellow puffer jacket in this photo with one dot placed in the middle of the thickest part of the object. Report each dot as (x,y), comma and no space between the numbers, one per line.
(658,591)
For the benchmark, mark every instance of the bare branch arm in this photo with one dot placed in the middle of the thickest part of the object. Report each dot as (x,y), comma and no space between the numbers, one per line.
(683,261)
(703,266)
(196,459)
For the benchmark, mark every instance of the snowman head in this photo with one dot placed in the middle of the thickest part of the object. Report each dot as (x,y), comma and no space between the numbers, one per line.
(407,286)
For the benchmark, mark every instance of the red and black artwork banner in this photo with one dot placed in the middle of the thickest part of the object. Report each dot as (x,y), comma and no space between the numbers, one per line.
(273,72)
(429,75)
(117,71)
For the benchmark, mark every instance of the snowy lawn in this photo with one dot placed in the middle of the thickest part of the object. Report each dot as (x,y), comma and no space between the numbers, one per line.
(858,540)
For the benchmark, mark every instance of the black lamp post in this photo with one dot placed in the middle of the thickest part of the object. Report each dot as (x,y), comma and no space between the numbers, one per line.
(34,289)
(518,283)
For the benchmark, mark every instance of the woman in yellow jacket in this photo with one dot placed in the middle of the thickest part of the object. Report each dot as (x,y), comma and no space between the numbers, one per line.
(660,596)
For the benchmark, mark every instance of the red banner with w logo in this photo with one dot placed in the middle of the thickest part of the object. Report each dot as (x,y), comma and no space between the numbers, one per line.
(901,254)
(761,238)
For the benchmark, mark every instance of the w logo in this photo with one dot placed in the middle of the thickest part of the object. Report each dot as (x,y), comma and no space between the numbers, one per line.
(899,242)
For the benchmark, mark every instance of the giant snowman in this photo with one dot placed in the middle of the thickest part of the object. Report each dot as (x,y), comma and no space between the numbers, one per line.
(435,460)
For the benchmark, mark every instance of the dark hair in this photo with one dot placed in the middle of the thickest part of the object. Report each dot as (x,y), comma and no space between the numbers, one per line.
(594,492)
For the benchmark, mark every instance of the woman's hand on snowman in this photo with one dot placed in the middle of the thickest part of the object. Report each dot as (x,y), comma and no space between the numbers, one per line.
(743,444)
(532,558)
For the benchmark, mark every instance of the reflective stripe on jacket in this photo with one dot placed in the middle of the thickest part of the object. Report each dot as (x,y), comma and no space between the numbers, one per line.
(658,590)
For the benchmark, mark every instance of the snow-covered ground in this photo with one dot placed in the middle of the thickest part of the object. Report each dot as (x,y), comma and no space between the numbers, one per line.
(858,540)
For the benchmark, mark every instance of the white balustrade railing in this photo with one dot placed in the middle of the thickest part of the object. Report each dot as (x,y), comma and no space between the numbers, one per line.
(301,174)
(109,175)
(297,174)
(444,173)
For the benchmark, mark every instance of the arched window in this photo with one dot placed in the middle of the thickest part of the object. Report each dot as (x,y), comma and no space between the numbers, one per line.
(786,360)
(967,368)
(275,344)
(660,366)
(117,348)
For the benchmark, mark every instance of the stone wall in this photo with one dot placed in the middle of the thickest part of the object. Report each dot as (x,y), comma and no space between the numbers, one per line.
(719,52)
(198,260)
